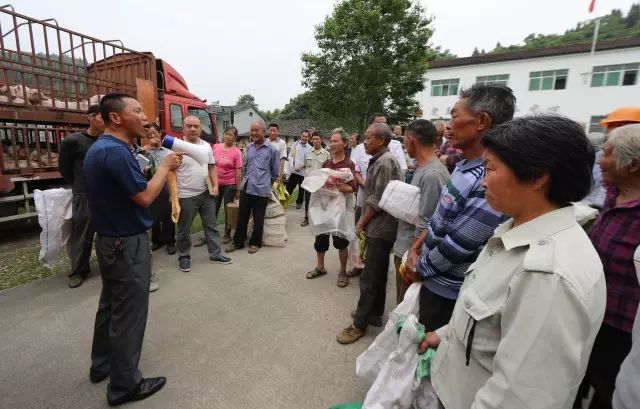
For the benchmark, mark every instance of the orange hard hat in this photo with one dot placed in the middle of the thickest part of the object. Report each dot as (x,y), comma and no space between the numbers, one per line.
(624,114)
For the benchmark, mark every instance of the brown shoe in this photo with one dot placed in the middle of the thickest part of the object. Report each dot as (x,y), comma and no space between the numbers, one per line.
(226,239)
(253,249)
(350,335)
(354,273)
(231,248)
(374,320)
(75,281)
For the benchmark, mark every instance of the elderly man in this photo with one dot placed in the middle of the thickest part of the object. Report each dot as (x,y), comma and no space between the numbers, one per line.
(615,236)
(380,228)
(195,197)
(73,149)
(296,161)
(119,197)
(260,170)
(394,145)
(463,220)
(279,145)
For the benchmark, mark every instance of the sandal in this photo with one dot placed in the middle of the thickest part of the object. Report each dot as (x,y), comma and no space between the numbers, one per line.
(343,280)
(354,273)
(315,273)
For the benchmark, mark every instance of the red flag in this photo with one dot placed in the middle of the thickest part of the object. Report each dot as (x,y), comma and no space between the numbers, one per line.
(592,5)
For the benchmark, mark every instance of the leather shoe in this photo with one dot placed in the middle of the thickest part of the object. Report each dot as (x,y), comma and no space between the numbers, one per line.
(96,377)
(156,246)
(171,249)
(146,388)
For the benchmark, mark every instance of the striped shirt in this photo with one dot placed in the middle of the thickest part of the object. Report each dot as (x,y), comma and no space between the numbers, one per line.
(461,225)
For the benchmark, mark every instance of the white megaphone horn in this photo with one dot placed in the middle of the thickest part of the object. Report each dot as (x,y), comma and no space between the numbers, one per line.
(198,152)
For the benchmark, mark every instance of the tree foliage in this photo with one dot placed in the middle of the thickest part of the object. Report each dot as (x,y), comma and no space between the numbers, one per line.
(613,25)
(372,57)
(246,99)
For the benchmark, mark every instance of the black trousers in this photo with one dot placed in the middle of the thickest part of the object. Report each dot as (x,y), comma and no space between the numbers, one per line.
(321,244)
(373,282)
(81,238)
(250,205)
(296,180)
(226,194)
(163,230)
(610,348)
(125,265)
(435,311)
(307,197)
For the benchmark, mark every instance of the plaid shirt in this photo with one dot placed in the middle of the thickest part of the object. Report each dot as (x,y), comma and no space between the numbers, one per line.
(615,235)
(453,155)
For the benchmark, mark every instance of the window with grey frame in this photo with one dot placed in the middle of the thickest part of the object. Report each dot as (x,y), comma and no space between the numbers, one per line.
(615,75)
(175,115)
(501,79)
(548,80)
(594,123)
(444,88)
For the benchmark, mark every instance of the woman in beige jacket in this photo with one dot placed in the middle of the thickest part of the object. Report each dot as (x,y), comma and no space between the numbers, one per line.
(531,305)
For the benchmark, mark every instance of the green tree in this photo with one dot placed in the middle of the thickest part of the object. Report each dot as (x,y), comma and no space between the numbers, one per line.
(271,115)
(246,99)
(373,55)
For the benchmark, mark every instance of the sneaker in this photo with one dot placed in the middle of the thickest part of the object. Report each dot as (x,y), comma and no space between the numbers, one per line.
(350,335)
(298,206)
(253,249)
(231,248)
(304,223)
(185,264)
(201,242)
(75,281)
(375,320)
(171,249)
(153,286)
(220,259)
(226,239)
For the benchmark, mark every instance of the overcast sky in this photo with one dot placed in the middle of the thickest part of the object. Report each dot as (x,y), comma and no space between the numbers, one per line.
(227,48)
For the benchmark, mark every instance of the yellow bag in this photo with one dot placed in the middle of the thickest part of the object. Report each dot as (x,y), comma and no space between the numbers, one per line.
(363,246)
(281,193)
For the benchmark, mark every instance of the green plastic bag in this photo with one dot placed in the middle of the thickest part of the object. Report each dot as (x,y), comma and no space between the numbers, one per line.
(350,405)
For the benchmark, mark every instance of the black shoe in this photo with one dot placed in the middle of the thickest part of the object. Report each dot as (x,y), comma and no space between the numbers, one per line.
(96,377)
(156,246)
(146,388)
(171,249)
(185,264)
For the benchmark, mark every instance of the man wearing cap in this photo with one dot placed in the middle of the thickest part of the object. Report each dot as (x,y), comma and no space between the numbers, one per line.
(617,118)
(73,149)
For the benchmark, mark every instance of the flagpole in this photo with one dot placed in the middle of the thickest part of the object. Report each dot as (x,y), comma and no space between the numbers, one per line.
(595,36)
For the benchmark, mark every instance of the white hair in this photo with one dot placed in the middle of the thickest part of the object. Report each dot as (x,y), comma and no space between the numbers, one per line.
(625,142)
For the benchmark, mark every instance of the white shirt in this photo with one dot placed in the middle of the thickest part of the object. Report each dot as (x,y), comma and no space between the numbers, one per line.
(297,157)
(537,296)
(396,148)
(280,145)
(360,159)
(191,176)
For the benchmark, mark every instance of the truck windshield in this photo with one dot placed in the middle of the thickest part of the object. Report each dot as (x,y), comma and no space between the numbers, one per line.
(205,120)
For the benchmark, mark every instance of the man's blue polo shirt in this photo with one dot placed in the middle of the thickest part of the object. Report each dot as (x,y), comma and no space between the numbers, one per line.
(112,176)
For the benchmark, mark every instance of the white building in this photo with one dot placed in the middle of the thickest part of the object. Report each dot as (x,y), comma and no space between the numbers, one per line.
(567,80)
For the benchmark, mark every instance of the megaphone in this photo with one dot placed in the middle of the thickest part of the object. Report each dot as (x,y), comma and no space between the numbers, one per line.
(198,152)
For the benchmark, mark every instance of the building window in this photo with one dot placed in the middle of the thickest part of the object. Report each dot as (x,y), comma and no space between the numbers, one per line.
(594,123)
(501,79)
(547,80)
(612,75)
(444,88)
(176,117)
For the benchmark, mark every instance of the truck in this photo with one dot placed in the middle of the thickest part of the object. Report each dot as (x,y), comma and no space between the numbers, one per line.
(49,76)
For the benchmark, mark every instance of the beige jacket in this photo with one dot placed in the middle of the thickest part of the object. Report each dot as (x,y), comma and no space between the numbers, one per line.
(526,319)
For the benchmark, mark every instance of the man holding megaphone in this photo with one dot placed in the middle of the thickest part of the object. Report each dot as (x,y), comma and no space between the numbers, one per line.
(197,182)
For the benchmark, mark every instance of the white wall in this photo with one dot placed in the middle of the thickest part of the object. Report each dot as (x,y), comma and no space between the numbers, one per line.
(579,101)
(242,120)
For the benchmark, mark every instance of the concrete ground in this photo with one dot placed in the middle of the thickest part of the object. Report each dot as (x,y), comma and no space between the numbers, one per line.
(254,334)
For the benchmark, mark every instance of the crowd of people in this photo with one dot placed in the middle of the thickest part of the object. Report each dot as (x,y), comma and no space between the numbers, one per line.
(524,244)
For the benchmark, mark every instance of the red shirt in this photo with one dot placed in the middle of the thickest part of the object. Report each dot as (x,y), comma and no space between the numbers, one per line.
(346,163)
(227,162)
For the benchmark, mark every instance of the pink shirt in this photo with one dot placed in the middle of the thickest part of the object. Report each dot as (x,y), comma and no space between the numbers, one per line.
(227,161)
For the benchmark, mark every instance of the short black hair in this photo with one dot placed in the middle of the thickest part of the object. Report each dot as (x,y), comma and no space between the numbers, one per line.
(113,102)
(303,131)
(275,125)
(533,146)
(496,100)
(316,133)
(93,109)
(232,129)
(156,127)
(424,131)
(373,117)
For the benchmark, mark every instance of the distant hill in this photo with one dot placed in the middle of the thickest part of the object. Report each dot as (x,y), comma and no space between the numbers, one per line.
(613,25)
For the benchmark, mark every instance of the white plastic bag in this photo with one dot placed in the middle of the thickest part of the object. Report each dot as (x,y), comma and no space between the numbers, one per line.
(317,179)
(353,261)
(369,363)
(54,208)
(396,384)
(401,200)
(332,212)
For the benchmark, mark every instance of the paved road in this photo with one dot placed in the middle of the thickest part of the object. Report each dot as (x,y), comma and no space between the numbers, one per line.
(254,334)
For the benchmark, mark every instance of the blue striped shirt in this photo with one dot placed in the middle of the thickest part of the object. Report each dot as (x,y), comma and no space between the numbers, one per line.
(458,230)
